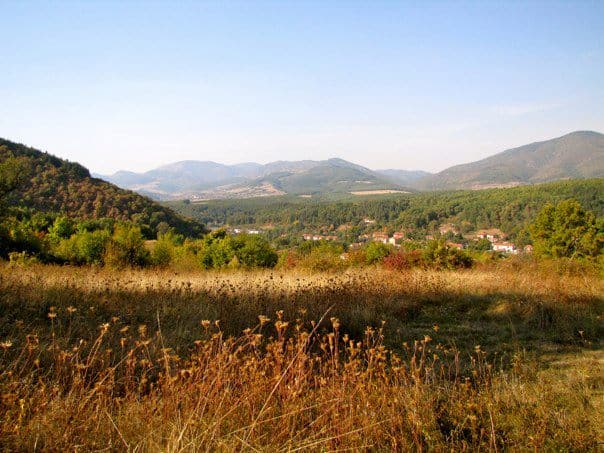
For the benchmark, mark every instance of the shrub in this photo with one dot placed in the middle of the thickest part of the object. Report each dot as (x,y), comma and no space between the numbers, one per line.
(62,228)
(17,236)
(162,253)
(323,258)
(126,247)
(439,255)
(91,246)
(403,260)
(84,247)
(375,252)
(253,251)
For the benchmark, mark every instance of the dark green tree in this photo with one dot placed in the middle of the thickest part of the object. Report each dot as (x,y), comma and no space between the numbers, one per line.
(566,230)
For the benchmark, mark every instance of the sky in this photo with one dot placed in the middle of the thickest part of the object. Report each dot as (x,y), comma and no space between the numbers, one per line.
(385,84)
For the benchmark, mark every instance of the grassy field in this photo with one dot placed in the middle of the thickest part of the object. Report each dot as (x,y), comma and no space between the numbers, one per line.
(492,358)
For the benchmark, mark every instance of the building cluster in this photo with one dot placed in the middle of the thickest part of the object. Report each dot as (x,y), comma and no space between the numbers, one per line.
(319,237)
(495,236)
(241,230)
(499,243)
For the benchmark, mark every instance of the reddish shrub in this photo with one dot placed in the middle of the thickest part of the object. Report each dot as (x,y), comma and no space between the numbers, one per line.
(403,260)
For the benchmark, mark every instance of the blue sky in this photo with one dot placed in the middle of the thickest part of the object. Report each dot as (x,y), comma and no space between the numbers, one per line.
(411,85)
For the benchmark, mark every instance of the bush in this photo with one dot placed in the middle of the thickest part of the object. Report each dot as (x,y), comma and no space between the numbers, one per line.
(219,250)
(126,247)
(323,258)
(253,251)
(375,252)
(83,248)
(17,236)
(439,255)
(162,253)
(404,260)
(91,246)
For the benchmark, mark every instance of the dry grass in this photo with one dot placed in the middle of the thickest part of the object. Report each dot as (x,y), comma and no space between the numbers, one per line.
(481,359)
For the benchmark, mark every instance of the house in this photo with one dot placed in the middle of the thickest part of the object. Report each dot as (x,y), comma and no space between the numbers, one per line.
(254,231)
(398,235)
(318,237)
(307,237)
(491,234)
(331,238)
(380,237)
(455,245)
(505,247)
(528,248)
(448,228)
(369,221)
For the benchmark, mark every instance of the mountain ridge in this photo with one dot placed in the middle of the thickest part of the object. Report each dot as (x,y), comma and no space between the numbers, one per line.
(209,179)
(579,154)
(576,155)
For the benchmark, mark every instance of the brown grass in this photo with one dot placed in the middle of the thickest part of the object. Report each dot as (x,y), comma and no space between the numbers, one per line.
(481,359)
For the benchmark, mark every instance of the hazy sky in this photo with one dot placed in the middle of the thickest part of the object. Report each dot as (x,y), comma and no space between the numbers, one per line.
(410,85)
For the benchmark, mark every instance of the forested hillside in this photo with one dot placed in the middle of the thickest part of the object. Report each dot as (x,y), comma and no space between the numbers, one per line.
(576,155)
(508,209)
(51,184)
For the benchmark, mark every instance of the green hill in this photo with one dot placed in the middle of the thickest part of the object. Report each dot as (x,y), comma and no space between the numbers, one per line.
(330,176)
(56,185)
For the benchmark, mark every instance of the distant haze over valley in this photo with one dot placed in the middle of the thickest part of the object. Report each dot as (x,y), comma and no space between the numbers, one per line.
(576,155)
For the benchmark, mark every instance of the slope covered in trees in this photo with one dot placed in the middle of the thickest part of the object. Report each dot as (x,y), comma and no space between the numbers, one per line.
(508,209)
(56,185)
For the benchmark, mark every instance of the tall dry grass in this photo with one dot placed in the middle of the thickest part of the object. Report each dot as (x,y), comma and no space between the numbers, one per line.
(147,361)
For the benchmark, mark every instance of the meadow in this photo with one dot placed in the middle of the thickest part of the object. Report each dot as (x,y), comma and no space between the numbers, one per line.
(503,356)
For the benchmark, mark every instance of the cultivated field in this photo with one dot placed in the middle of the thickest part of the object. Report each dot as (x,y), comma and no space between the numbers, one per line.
(492,358)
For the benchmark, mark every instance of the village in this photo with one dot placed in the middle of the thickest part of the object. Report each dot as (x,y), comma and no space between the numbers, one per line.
(497,239)
(492,239)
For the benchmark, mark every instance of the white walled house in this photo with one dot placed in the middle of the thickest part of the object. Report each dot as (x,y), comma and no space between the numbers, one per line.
(505,247)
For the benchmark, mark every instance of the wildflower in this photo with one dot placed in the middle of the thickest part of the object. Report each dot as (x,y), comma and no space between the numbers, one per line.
(71,310)
(263,319)
(205,324)
(6,344)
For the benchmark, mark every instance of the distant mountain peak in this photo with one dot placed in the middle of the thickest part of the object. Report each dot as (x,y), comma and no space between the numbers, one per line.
(579,154)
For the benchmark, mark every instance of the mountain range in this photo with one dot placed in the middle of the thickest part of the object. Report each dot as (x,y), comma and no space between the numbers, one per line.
(576,155)
(209,180)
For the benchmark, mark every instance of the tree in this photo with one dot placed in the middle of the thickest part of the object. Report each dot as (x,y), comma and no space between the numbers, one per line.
(566,230)
(13,172)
